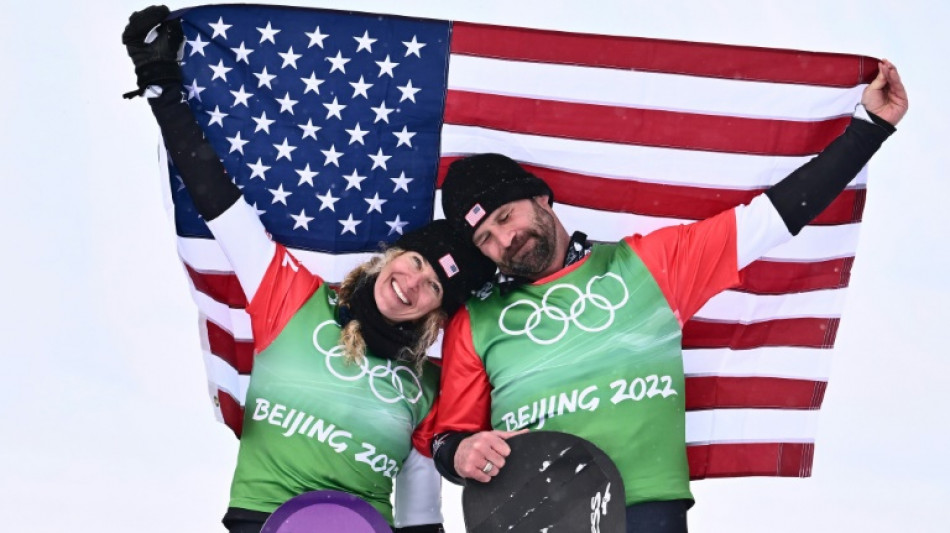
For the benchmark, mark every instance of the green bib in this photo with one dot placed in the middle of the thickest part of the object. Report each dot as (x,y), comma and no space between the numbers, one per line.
(313,422)
(596,353)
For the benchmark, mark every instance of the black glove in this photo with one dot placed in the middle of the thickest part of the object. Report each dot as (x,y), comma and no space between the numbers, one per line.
(156,63)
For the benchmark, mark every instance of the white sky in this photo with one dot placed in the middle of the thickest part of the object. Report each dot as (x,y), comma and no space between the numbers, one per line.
(105,420)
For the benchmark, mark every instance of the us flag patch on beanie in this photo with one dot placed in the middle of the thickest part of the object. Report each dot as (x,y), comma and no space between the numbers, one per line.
(448,265)
(474,215)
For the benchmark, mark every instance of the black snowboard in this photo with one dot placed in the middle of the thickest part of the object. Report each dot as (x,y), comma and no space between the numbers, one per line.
(551,483)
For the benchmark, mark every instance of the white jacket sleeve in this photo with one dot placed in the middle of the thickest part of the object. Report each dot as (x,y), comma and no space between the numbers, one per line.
(759,228)
(245,242)
(418,492)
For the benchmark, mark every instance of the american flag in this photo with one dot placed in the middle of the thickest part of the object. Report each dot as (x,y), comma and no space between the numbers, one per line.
(338,125)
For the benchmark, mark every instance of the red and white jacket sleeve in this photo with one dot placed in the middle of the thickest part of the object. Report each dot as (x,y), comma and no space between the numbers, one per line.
(274,281)
(693,262)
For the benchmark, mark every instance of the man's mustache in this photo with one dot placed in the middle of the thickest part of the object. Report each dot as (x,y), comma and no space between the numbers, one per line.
(517,243)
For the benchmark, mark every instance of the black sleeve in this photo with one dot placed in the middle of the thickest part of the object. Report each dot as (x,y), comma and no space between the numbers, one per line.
(202,172)
(807,191)
(444,446)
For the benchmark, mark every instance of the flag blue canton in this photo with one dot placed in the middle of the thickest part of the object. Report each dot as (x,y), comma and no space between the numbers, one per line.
(328,121)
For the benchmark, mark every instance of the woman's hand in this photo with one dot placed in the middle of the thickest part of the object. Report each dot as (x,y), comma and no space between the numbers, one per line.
(154,54)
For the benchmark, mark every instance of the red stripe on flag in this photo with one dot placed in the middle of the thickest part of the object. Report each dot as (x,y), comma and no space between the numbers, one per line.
(713,392)
(657,55)
(231,411)
(665,200)
(238,354)
(800,332)
(645,127)
(779,277)
(785,459)
(223,287)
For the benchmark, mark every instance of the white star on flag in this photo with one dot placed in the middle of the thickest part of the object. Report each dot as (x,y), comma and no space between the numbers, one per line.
(316,38)
(360,88)
(240,97)
(375,203)
(306,175)
(396,225)
(379,159)
(220,71)
(386,67)
(405,137)
(287,104)
(313,84)
(242,53)
(334,108)
(290,58)
(263,123)
(309,130)
(357,134)
(258,169)
(194,90)
(349,225)
(301,220)
(284,149)
(365,42)
(339,63)
(220,28)
(382,113)
(263,78)
(268,33)
(402,182)
(413,47)
(332,156)
(217,117)
(237,144)
(197,45)
(354,180)
(280,195)
(408,91)
(327,200)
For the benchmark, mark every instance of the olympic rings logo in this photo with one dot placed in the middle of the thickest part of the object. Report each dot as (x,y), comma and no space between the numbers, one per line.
(399,376)
(576,312)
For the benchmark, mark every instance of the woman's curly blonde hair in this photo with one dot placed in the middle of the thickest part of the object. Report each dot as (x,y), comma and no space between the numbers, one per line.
(354,347)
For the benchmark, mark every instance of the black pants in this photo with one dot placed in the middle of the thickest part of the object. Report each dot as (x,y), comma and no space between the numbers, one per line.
(658,517)
(243,520)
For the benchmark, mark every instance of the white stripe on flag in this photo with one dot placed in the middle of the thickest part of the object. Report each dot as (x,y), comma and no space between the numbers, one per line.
(776,362)
(650,90)
(226,378)
(234,321)
(729,426)
(746,308)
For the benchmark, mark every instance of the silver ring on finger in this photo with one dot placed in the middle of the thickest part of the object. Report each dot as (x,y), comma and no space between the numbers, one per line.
(488,467)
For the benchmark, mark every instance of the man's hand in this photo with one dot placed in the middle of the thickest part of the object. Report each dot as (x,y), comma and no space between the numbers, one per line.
(476,452)
(886,96)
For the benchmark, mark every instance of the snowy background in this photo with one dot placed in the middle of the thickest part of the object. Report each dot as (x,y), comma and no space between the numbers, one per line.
(105,420)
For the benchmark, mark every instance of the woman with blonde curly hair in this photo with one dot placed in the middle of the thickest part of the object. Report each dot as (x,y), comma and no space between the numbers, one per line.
(340,392)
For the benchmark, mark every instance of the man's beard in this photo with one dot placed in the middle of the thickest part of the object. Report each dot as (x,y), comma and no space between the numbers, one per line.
(536,261)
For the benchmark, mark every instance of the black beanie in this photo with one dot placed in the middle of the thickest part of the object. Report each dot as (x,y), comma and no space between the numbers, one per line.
(461,268)
(477,185)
